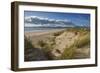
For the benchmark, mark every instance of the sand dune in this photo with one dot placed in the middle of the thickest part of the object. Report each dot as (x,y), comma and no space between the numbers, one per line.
(61,43)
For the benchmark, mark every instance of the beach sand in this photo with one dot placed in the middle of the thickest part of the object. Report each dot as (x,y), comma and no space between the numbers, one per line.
(30,34)
(58,42)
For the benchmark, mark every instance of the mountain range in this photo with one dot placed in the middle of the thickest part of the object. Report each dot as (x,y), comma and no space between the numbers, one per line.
(35,21)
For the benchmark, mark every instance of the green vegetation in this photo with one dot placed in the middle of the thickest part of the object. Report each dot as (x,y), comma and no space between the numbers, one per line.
(28,48)
(42,43)
(78,29)
(47,45)
(58,33)
(28,43)
(68,53)
(81,31)
(82,41)
(47,48)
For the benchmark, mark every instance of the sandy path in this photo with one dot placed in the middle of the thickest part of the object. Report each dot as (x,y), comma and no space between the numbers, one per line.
(35,37)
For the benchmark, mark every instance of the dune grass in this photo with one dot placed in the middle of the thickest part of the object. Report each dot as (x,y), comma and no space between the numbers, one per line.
(58,33)
(82,41)
(28,44)
(28,47)
(69,52)
(46,48)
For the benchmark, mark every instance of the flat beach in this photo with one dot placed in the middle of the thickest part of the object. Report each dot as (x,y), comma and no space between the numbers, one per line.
(38,33)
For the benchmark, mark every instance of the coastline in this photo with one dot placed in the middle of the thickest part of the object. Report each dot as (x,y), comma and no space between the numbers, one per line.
(39,33)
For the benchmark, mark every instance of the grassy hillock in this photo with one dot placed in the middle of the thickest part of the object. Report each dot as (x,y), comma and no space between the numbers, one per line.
(82,41)
(72,43)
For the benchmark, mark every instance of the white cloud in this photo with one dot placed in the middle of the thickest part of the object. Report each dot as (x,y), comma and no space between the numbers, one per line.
(40,21)
(41,18)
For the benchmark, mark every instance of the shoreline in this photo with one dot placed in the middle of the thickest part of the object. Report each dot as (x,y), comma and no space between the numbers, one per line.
(38,33)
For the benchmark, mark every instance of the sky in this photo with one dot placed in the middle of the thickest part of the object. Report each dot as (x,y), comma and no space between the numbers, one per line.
(76,18)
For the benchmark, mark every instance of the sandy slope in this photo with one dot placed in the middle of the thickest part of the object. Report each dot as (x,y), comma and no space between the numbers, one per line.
(65,39)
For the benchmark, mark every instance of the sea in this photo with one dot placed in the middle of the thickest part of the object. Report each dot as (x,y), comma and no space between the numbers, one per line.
(41,29)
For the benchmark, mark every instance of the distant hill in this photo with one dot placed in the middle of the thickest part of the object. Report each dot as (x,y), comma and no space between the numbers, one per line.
(34,21)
